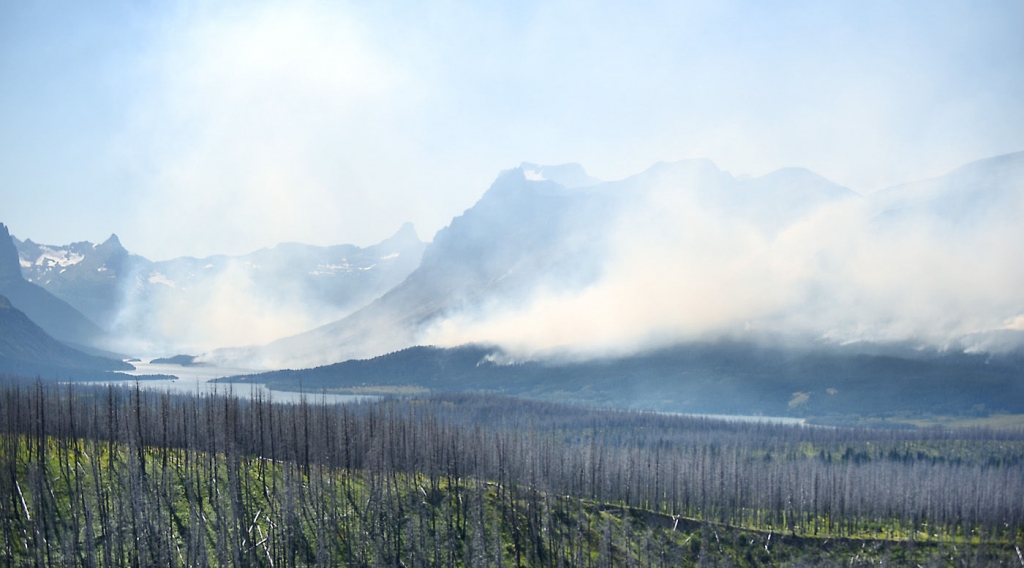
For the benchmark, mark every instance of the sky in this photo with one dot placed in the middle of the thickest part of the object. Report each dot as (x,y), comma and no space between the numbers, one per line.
(197,128)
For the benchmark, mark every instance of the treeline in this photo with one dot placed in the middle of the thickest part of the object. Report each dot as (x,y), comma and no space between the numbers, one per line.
(718,378)
(113,476)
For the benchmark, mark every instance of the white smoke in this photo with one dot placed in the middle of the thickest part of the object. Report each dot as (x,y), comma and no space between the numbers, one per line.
(936,264)
(179,313)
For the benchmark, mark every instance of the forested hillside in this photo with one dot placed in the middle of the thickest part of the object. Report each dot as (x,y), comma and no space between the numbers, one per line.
(115,476)
(834,385)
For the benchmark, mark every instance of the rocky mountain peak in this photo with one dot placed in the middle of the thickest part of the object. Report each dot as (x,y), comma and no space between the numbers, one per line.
(112,242)
(10,267)
(406,235)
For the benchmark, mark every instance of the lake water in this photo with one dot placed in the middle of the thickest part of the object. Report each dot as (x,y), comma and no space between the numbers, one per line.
(196,380)
(769,419)
(743,418)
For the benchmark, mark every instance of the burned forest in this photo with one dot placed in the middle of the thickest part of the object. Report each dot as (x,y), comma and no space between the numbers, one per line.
(122,476)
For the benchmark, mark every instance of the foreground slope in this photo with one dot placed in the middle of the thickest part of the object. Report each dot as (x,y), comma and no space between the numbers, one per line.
(26,350)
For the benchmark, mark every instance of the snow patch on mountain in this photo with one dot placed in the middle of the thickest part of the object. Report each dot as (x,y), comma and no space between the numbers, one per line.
(533,175)
(569,176)
(57,257)
(330,269)
(158,278)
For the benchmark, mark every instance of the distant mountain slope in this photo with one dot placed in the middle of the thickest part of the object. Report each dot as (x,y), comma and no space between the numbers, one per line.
(167,305)
(52,314)
(725,377)
(768,203)
(25,349)
(531,232)
(984,190)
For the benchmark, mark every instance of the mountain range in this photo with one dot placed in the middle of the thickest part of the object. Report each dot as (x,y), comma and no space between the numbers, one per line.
(58,318)
(542,238)
(519,232)
(906,302)
(683,279)
(167,305)
(535,227)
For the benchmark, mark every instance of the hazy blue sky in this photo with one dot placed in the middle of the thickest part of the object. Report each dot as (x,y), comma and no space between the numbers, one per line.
(197,128)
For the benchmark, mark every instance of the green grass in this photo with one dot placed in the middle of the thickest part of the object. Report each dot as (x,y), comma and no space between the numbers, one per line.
(995,421)
(179,507)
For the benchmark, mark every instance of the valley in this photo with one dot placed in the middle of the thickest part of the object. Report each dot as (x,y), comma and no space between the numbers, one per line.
(680,368)
(508,284)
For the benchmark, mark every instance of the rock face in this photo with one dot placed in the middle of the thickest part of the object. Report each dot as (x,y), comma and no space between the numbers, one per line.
(55,316)
(10,270)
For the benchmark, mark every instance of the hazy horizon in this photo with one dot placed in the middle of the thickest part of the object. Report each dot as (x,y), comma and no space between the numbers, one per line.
(191,129)
(428,238)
